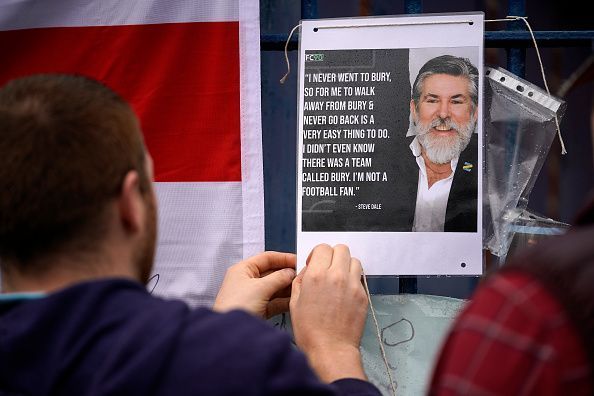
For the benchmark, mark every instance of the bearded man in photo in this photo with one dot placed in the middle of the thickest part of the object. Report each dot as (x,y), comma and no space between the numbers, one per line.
(444,104)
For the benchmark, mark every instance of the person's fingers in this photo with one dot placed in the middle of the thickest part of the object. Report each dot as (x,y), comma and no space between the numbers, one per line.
(308,257)
(277,306)
(320,259)
(276,281)
(356,269)
(296,286)
(285,292)
(269,261)
(341,260)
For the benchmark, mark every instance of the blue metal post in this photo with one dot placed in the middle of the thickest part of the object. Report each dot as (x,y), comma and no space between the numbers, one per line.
(516,57)
(516,63)
(309,9)
(413,6)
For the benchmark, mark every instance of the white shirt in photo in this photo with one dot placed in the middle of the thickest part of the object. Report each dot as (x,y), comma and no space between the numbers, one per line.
(432,202)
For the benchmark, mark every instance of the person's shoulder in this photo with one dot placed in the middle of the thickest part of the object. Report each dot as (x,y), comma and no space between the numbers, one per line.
(128,304)
(100,334)
(235,352)
(236,330)
(119,294)
(123,306)
(511,313)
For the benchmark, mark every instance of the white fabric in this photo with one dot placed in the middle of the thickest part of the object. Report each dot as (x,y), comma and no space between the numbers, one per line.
(252,173)
(23,14)
(432,202)
(200,231)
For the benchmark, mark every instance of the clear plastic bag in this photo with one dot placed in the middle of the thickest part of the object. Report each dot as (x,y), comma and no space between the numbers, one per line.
(529,228)
(519,127)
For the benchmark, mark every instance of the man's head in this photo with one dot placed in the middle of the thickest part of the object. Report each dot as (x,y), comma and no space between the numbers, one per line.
(70,149)
(444,106)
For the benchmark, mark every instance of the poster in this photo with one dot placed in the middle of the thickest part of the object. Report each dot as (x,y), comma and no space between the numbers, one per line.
(389,153)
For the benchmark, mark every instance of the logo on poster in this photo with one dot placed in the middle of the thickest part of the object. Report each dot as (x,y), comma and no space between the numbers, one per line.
(314,57)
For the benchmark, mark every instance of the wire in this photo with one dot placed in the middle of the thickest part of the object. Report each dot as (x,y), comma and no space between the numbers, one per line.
(282,80)
(156,283)
(393,384)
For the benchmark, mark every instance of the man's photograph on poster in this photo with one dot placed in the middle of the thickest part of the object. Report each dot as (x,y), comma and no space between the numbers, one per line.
(444,111)
(414,168)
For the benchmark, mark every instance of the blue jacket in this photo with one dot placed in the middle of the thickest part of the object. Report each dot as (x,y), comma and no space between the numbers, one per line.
(111,337)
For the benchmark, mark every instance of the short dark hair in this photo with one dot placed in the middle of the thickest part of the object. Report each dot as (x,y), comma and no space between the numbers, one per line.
(66,144)
(453,66)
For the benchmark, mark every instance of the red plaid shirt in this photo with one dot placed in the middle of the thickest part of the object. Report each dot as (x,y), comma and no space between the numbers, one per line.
(512,339)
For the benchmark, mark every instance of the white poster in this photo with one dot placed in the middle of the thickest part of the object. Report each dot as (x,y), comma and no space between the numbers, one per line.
(390,138)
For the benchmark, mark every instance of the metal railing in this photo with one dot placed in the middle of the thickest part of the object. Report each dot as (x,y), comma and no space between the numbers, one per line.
(515,39)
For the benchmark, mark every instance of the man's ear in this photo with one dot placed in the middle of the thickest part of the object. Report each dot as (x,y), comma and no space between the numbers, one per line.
(130,203)
(413,110)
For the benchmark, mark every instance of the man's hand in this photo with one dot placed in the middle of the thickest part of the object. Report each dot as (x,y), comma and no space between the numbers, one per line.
(259,285)
(328,312)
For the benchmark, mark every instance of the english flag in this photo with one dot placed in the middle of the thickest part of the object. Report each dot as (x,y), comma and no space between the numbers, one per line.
(191,70)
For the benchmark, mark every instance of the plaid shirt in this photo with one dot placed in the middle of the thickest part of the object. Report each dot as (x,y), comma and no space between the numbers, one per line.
(512,339)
